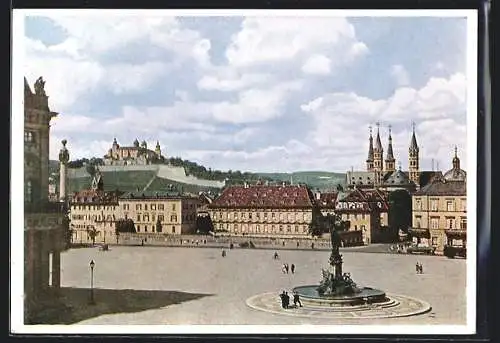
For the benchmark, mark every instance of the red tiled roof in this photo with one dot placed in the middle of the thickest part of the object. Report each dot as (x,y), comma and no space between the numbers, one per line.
(327,200)
(95,196)
(371,199)
(258,196)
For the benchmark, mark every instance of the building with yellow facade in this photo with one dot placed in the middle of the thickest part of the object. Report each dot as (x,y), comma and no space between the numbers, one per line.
(160,212)
(263,211)
(365,212)
(439,211)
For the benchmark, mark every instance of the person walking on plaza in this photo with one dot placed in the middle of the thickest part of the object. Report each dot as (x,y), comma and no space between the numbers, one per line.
(286,267)
(223,252)
(292,268)
(283,268)
(287,300)
(282,297)
(421,268)
(276,255)
(417,268)
(296,299)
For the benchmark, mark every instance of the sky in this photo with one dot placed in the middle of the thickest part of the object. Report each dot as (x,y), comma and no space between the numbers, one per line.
(255,93)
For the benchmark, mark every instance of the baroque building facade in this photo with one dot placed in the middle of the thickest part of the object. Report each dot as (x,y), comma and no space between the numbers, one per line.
(44,222)
(440,211)
(365,212)
(132,155)
(263,211)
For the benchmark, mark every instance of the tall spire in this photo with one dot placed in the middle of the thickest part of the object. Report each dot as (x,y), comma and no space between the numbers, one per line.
(456,160)
(370,147)
(390,153)
(413,143)
(378,143)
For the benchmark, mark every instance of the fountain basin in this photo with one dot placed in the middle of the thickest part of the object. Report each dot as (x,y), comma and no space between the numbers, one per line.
(366,295)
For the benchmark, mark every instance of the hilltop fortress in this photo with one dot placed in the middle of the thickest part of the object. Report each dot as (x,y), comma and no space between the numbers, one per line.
(138,154)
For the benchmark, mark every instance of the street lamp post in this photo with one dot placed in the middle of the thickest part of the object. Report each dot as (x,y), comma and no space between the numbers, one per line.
(92,264)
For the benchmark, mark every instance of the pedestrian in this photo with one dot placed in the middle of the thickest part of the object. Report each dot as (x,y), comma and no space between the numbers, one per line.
(283,268)
(223,252)
(287,300)
(276,255)
(282,297)
(142,242)
(421,268)
(298,244)
(283,243)
(292,268)
(286,267)
(296,299)
(417,268)
(312,245)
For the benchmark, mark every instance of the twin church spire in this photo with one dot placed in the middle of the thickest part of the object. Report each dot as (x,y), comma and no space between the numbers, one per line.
(375,161)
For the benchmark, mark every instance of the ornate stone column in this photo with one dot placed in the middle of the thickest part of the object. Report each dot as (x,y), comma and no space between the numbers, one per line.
(63,161)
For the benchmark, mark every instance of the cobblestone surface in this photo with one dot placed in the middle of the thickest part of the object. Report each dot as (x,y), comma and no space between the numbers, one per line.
(244,273)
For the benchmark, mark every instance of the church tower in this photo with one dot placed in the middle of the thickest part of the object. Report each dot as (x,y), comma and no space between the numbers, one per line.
(413,161)
(369,160)
(158,149)
(378,158)
(390,161)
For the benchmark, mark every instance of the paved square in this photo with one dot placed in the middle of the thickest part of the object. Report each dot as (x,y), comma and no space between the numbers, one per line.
(228,282)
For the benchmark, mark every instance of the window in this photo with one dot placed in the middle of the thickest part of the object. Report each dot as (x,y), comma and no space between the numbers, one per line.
(265,215)
(296,228)
(161,207)
(258,228)
(153,217)
(124,206)
(243,216)
(236,215)
(362,216)
(273,215)
(250,215)
(463,202)
(257,215)
(463,223)
(138,217)
(145,228)
(138,228)
(145,217)
(434,223)
(450,223)
(160,217)
(28,195)
(281,228)
(173,207)
(288,228)
(434,241)
(153,207)
(418,204)
(173,218)
(450,206)
(29,137)
(138,207)
(173,229)
(434,205)
(235,227)
(418,220)
(145,207)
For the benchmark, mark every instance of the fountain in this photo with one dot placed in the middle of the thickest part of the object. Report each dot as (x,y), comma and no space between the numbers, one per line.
(337,288)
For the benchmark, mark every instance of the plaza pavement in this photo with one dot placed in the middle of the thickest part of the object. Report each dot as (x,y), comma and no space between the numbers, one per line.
(228,282)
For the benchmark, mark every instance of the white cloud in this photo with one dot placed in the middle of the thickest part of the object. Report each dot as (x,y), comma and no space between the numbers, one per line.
(262,40)
(232,81)
(256,105)
(400,75)
(437,107)
(317,64)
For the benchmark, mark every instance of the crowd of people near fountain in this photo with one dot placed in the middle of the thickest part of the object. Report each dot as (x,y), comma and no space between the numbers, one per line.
(285,300)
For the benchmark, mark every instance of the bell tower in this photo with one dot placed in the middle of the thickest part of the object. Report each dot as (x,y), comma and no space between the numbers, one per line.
(378,158)
(390,161)
(413,159)
(369,160)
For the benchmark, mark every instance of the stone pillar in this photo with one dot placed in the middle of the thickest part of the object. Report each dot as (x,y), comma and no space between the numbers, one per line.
(63,161)
(44,268)
(56,269)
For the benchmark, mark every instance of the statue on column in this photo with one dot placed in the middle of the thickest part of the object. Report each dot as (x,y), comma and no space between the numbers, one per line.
(40,86)
(63,153)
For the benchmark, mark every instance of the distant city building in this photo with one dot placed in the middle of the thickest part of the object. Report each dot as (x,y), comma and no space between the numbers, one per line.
(365,212)
(132,155)
(440,211)
(44,222)
(263,210)
(160,212)
(326,202)
(94,213)
(385,176)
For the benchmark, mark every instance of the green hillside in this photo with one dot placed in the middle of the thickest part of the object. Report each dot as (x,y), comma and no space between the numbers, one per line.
(314,179)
